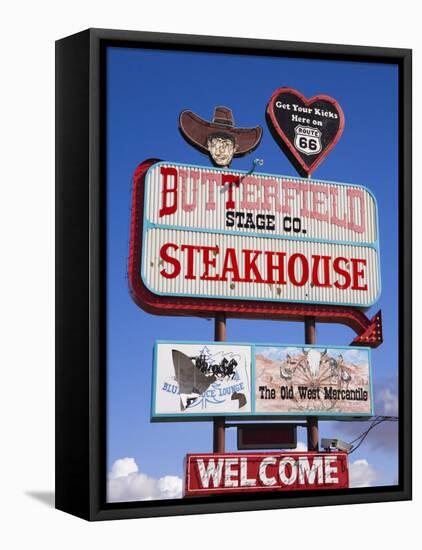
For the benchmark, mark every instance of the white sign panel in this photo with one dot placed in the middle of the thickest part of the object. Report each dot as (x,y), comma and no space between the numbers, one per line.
(201,379)
(210,379)
(194,197)
(190,263)
(324,381)
(210,233)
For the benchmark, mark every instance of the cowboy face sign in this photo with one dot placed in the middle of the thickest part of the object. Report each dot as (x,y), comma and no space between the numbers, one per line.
(221,148)
(220,139)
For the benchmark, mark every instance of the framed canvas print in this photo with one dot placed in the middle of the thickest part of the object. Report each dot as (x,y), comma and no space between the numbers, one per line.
(233,274)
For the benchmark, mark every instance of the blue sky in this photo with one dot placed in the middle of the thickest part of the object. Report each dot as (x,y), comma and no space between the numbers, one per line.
(146,91)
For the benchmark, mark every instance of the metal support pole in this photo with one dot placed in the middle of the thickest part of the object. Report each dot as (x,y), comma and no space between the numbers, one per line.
(311,421)
(219,430)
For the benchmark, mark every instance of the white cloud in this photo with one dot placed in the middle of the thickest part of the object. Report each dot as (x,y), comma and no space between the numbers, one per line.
(123,467)
(362,474)
(388,402)
(126,483)
(170,487)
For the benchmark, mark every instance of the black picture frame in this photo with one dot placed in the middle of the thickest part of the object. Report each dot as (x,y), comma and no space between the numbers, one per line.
(81,126)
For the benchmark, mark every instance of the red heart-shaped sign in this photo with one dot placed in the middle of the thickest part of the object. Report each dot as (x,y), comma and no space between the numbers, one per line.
(306,129)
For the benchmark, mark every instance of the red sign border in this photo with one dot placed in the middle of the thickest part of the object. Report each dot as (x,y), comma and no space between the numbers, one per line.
(285,140)
(369,331)
(187,492)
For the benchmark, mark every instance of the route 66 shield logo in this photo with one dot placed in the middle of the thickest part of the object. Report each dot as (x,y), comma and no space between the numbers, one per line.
(307,140)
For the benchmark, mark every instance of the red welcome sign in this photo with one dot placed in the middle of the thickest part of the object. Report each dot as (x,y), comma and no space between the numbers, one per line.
(214,473)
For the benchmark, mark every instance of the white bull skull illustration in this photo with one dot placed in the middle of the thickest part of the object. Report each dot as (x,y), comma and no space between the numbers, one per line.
(314,359)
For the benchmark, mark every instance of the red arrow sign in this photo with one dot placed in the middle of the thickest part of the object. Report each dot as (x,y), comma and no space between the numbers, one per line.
(372,332)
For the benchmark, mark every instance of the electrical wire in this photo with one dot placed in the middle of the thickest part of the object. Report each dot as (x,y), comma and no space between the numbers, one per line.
(357,442)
